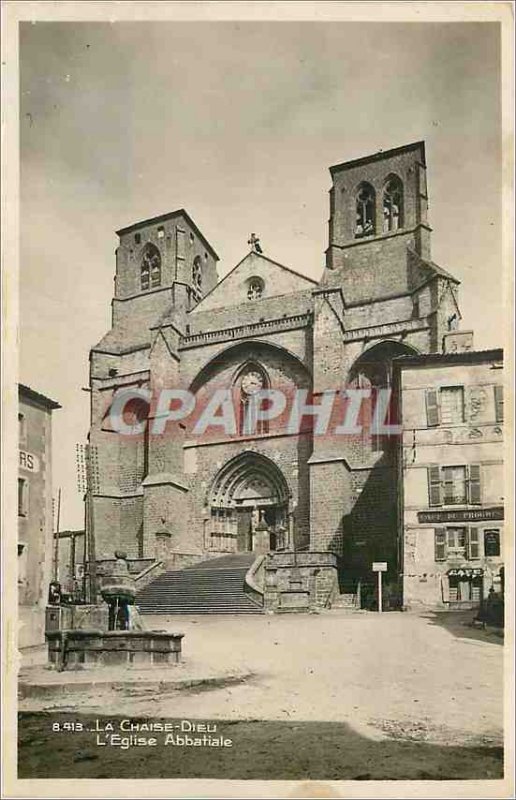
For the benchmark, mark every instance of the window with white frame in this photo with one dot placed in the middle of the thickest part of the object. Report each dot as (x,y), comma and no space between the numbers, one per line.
(23,497)
(454,485)
(452,405)
(457,542)
(445,406)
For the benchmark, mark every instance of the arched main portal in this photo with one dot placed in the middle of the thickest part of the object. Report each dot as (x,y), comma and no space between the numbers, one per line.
(248,503)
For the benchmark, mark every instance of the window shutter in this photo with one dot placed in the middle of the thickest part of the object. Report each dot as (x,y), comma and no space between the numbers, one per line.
(498,393)
(432,408)
(474,484)
(448,486)
(434,486)
(440,544)
(473,544)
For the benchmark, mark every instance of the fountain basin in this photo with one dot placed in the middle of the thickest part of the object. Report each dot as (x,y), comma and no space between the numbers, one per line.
(78,648)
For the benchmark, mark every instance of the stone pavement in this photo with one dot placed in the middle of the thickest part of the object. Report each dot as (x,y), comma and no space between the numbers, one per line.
(429,676)
(38,684)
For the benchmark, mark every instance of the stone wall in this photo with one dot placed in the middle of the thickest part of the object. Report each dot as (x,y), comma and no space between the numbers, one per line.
(35,525)
(300,582)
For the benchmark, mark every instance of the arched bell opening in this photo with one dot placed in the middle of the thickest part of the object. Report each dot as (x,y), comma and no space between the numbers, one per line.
(372,371)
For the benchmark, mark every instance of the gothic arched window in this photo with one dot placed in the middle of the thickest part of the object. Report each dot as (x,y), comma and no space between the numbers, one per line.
(250,380)
(255,288)
(150,272)
(197,274)
(392,205)
(365,210)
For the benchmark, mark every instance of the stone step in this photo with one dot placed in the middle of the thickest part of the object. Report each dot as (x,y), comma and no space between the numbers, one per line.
(201,612)
(212,587)
(224,562)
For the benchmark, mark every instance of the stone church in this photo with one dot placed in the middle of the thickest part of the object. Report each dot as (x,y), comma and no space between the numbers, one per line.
(331,500)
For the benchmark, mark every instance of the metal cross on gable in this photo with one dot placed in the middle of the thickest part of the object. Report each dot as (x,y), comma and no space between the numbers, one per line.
(254,241)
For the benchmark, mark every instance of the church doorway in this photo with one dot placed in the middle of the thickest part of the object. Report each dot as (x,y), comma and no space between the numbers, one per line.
(249,507)
(244,530)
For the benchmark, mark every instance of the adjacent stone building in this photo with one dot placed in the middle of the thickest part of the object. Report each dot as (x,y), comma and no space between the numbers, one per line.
(181,497)
(451,487)
(34,512)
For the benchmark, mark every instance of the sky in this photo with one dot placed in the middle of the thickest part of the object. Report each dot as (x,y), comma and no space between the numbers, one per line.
(238,123)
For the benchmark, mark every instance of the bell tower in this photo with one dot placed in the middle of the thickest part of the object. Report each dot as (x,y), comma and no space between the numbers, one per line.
(163,253)
(378,209)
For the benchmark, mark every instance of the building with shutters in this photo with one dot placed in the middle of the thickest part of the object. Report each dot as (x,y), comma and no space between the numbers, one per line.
(174,497)
(451,512)
(35,549)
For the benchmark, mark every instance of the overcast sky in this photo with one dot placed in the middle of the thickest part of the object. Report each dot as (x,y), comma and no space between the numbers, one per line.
(238,123)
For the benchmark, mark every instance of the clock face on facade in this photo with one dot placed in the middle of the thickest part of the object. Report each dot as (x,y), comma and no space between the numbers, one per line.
(252,382)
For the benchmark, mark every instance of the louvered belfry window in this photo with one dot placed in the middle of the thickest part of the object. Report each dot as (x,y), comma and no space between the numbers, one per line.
(150,271)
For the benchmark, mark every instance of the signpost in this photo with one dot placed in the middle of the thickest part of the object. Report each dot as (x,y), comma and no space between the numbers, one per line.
(379,567)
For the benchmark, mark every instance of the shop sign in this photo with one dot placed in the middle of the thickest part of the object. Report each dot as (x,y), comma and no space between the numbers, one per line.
(28,461)
(461,515)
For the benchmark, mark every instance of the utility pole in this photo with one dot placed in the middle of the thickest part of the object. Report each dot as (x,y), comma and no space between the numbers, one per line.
(88,483)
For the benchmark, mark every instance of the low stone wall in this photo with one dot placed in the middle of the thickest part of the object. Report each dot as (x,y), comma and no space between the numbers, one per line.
(300,581)
(76,649)
(149,574)
(255,581)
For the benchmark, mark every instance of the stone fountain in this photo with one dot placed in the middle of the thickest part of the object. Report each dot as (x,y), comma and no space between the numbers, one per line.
(108,633)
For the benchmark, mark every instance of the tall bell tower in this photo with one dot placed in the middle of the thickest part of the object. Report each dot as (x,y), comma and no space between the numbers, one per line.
(378,209)
(158,260)
(164,267)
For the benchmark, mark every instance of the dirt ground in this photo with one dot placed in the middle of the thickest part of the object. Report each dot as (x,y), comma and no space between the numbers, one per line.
(330,696)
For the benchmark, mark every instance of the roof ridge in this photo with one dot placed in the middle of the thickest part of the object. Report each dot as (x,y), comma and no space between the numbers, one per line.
(433,265)
(259,255)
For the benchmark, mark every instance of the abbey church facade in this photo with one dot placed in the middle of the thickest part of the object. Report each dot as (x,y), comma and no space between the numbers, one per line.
(183,498)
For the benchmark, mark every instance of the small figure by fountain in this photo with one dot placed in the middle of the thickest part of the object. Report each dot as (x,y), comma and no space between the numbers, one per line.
(118,590)
(54,593)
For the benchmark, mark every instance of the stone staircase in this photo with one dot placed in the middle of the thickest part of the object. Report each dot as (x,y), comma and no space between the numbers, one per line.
(215,586)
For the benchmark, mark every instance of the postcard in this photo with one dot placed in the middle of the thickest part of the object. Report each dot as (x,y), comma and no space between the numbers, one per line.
(257,265)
